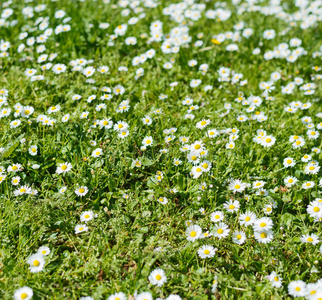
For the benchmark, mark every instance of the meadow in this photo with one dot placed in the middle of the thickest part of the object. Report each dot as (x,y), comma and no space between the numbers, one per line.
(158,149)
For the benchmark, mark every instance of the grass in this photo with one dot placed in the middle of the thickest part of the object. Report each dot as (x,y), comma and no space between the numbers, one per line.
(119,250)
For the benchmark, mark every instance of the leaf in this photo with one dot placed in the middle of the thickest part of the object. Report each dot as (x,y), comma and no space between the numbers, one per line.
(12,147)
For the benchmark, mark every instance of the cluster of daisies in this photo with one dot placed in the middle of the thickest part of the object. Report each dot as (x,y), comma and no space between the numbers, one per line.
(115,101)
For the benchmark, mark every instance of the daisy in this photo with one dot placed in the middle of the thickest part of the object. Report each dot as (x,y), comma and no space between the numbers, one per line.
(290,181)
(314,209)
(308,184)
(33,150)
(206,251)
(263,236)
(275,280)
(62,190)
(163,200)
(80,228)
(203,124)
(258,184)
(173,297)
(247,218)
(144,296)
(196,171)
(297,288)
(64,168)
(157,277)
(81,191)
(15,180)
(289,162)
(310,238)
(97,152)
(24,293)
(44,251)
(147,141)
(117,296)
(86,216)
(237,186)
(311,169)
(221,230)
(36,263)
(232,205)
(239,237)
(263,224)
(193,232)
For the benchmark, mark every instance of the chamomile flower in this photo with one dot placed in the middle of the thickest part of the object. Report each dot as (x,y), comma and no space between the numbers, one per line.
(239,237)
(81,228)
(216,216)
(308,185)
(64,168)
(43,250)
(232,206)
(290,181)
(193,232)
(36,263)
(310,238)
(297,288)
(117,296)
(264,236)
(275,280)
(157,277)
(263,224)
(24,293)
(86,216)
(163,200)
(220,230)
(81,191)
(237,186)
(206,251)
(97,152)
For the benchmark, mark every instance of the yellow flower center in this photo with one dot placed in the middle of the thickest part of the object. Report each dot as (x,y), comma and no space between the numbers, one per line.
(206,252)
(36,263)
(310,239)
(148,141)
(220,231)
(316,209)
(289,161)
(80,228)
(263,235)
(297,289)
(64,167)
(15,168)
(237,186)
(311,168)
(268,140)
(158,277)
(262,224)
(217,217)
(198,169)
(197,147)
(247,219)
(81,190)
(193,233)
(238,237)
(276,278)
(203,123)
(43,252)
(23,296)
(231,206)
